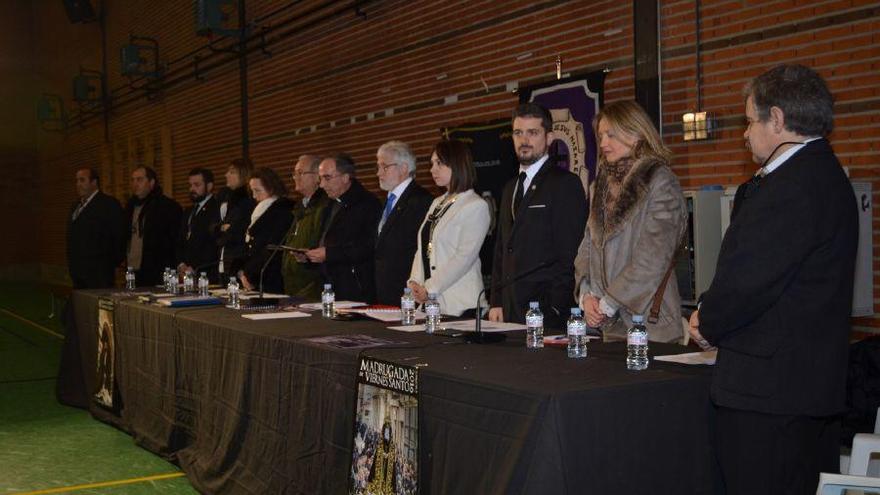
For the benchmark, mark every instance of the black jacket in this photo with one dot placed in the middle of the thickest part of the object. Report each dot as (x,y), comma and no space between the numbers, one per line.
(160,220)
(396,243)
(348,239)
(238,215)
(540,246)
(270,228)
(196,242)
(780,302)
(95,242)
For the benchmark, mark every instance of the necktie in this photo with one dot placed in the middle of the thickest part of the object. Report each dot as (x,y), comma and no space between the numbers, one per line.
(79,209)
(389,205)
(520,192)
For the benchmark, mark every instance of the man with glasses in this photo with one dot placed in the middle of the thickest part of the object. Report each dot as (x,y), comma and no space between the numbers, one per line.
(405,209)
(302,278)
(778,309)
(348,231)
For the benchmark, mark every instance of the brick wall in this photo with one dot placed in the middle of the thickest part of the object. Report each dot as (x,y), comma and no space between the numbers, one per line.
(337,80)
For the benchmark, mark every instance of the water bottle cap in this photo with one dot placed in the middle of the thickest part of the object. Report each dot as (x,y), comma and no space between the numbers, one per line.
(534,305)
(407,290)
(328,286)
(231,279)
(130,268)
(638,319)
(432,295)
(575,311)
(204,274)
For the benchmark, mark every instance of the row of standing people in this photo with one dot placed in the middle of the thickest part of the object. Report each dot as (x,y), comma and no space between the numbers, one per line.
(777,309)
(341,234)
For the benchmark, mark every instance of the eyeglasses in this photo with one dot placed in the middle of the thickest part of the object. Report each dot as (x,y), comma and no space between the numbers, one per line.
(297,175)
(385,167)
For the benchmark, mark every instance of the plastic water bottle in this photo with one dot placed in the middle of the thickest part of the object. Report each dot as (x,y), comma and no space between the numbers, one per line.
(232,291)
(188,282)
(534,326)
(166,279)
(577,335)
(432,313)
(129,279)
(203,284)
(407,308)
(328,302)
(637,345)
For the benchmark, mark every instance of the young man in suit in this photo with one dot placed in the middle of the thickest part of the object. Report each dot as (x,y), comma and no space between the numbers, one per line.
(348,231)
(153,220)
(778,308)
(95,234)
(542,217)
(196,244)
(405,209)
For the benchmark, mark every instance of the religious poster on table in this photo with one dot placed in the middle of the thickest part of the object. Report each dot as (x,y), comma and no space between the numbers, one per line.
(104,365)
(495,161)
(573,101)
(385,450)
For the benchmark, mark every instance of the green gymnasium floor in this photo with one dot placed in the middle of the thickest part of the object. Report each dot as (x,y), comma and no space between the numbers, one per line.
(49,448)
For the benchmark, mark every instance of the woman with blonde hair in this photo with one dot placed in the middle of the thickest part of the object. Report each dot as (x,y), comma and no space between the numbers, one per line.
(637,217)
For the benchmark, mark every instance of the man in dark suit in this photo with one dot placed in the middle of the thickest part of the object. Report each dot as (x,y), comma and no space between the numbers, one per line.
(348,231)
(196,243)
(778,308)
(405,209)
(153,220)
(95,234)
(543,212)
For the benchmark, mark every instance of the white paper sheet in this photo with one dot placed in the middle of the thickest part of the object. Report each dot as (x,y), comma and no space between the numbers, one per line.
(464,326)
(386,315)
(692,358)
(338,305)
(276,316)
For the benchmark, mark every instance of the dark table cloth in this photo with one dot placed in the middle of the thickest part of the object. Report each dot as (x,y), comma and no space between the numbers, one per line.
(250,407)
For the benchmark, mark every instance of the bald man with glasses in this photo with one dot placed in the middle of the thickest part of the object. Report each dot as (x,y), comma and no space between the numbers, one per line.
(348,231)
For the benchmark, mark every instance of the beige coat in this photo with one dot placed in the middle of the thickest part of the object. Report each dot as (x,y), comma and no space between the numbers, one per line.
(625,252)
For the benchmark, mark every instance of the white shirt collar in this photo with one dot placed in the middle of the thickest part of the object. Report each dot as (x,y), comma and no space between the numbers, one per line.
(87,200)
(779,160)
(398,191)
(532,170)
(202,202)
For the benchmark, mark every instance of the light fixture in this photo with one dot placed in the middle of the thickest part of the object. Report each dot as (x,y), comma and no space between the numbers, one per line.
(87,87)
(50,113)
(217,17)
(140,57)
(697,125)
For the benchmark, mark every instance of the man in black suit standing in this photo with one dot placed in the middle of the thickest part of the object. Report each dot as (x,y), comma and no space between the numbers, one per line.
(405,209)
(348,231)
(95,234)
(196,244)
(153,220)
(541,223)
(778,308)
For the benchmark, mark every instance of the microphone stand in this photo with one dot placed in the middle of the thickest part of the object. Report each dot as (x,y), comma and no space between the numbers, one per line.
(262,301)
(477,336)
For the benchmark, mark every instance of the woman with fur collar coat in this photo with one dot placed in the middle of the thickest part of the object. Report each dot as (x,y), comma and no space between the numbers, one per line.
(637,217)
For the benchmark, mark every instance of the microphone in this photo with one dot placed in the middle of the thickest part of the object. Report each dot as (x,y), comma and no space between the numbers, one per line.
(262,301)
(478,337)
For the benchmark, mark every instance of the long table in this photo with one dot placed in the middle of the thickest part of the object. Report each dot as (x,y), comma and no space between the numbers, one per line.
(251,407)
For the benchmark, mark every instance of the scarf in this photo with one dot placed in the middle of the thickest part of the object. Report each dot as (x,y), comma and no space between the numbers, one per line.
(261,208)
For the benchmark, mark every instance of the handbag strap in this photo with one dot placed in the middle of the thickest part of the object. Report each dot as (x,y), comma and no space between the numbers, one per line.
(657,300)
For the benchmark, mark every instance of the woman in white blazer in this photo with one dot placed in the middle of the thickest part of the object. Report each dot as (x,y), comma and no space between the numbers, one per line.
(447,260)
